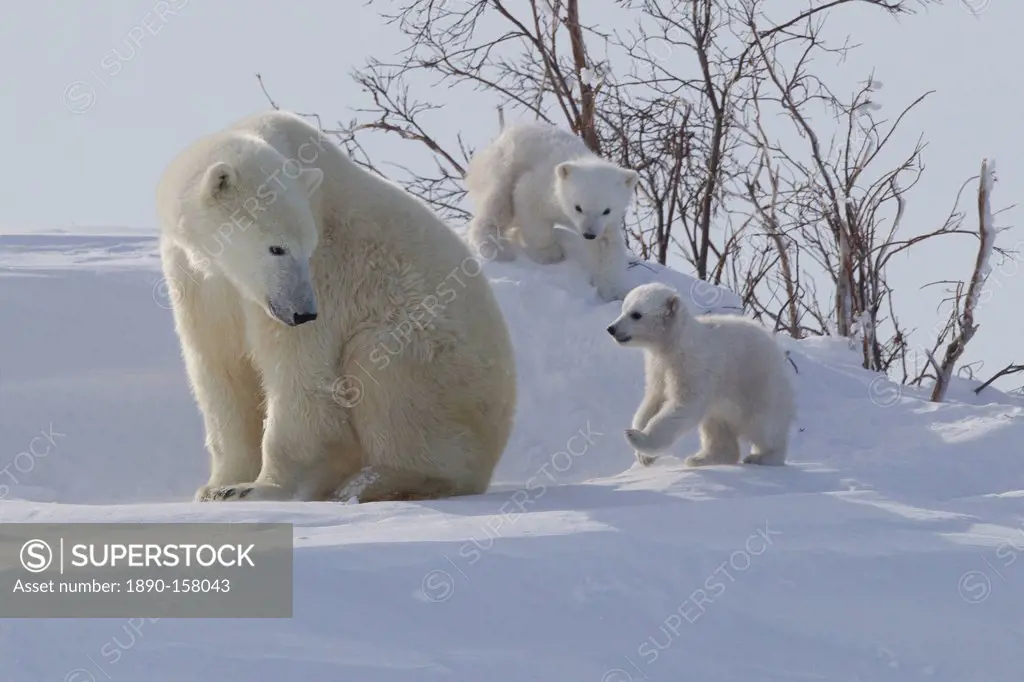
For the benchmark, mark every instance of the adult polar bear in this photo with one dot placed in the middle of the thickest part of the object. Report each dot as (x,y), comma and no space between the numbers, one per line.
(296,272)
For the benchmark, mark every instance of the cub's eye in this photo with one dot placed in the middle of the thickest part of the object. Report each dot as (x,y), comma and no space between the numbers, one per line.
(278,250)
(607,211)
(578,209)
(635,316)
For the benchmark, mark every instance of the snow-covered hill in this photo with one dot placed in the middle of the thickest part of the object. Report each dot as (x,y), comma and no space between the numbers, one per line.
(886,550)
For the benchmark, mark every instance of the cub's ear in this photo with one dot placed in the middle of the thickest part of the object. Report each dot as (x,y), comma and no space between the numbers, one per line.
(563,170)
(632,179)
(672,305)
(219,178)
(311,178)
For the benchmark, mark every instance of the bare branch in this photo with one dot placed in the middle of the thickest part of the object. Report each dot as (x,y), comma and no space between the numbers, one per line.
(965,308)
(1009,370)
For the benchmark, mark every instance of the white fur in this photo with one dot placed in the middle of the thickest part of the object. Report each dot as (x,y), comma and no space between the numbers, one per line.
(407,368)
(531,178)
(723,373)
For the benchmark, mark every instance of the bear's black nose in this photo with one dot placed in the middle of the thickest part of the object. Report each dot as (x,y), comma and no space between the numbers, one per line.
(590,236)
(611,330)
(302,318)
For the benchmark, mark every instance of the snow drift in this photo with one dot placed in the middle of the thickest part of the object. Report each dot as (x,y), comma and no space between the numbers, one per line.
(886,550)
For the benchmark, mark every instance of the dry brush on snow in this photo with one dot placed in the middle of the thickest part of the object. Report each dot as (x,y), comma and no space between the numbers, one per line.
(757,171)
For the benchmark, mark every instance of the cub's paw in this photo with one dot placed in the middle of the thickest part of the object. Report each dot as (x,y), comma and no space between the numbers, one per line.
(494,249)
(638,439)
(609,292)
(645,460)
(611,297)
(546,255)
(764,459)
(249,492)
(699,460)
(504,253)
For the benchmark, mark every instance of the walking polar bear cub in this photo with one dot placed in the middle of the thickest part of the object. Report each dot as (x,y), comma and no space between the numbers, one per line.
(535,176)
(334,330)
(721,372)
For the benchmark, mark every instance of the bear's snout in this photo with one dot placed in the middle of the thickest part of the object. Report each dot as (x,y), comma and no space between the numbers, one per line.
(624,338)
(287,315)
(589,235)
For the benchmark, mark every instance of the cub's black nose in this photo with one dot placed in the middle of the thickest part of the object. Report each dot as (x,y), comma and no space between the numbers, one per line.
(611,330)
(302,318)
(590,236)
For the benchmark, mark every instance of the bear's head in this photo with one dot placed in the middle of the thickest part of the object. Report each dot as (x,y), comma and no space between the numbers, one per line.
(594,194)
(250,219)
(651,315)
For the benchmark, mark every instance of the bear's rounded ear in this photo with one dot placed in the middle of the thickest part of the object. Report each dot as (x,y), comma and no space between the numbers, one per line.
(672,304)
(312,178)
(218,178)
(563,170)
(632,179)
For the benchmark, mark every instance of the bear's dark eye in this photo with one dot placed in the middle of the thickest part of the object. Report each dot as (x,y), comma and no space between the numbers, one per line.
(635,316)
(578,209)
(607,211)
(278,250)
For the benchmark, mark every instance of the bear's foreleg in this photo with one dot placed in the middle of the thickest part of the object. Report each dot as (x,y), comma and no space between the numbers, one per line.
(539,240)
(536,230)
(608,263)
(486,234)
(648,408)
(224,382)
(671,421)
(308,449)
(229,396)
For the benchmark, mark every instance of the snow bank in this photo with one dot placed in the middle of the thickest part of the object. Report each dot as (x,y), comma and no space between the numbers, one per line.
(886,550)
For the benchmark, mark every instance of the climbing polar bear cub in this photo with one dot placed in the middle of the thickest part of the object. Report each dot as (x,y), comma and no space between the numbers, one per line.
(532,177)
(723,373)
(335,332)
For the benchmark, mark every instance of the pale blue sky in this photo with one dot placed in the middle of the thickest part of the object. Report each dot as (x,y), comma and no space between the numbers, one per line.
(148,85)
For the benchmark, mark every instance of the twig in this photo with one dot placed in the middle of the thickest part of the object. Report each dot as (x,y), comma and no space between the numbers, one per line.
(1004,372)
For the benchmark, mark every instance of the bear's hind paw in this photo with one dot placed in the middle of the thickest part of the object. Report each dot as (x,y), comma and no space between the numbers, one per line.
(765,459)
(645,460)
(701,459)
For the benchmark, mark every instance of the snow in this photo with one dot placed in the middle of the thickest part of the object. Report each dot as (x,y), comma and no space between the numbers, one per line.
(589,77)
(885,551)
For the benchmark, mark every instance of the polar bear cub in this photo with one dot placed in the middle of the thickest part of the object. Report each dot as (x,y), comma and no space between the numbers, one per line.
(534,177)
(723,373)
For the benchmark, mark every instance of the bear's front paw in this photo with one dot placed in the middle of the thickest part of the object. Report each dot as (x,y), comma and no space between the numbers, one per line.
(637,438)
(249,492)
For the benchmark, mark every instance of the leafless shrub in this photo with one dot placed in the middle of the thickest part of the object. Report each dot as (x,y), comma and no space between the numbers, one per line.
(754,171)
